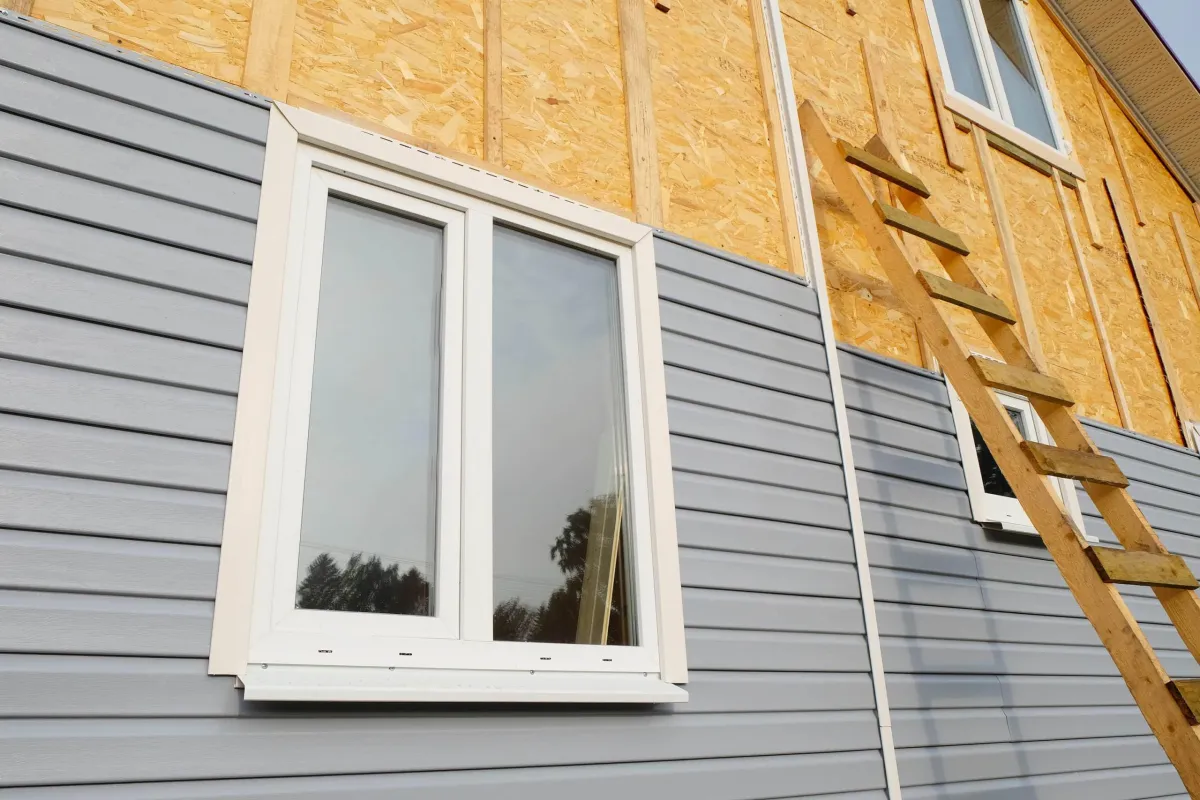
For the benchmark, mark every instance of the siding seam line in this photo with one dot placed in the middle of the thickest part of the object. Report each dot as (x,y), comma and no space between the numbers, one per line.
(816,275)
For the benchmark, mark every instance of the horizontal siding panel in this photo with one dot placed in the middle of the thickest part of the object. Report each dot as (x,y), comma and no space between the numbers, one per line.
(75,293)
(775,652)
(116,77)
(98,565)
(106,508)
(29,336)
(767,469)
(66,106)
(766,537)
(64,448)
(749,368)
(724,496)
(720,779)
(755,311)
(106,686)
(989,761)
(712,569)
(63,242)
(714,328)
(760,283)
(46,391)
(755,401)
(85,624)
(191,749)
(103,206)
(730,427)
(95,159)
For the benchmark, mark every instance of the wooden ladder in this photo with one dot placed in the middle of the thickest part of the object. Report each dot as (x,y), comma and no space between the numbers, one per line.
(1171,707)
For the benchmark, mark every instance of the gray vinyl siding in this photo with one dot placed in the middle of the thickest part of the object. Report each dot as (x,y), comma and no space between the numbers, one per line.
(128,196)
(999,688)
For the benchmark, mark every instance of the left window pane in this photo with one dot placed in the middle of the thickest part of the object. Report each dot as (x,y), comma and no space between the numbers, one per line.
(368,528)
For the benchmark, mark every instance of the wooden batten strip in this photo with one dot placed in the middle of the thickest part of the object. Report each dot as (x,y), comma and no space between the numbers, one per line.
(1110,362)
(1170,372)
(780,154)
(1008,246)
(1122,163)
(955,154)
(493,84)
(268,66)
(639,111)
(1185,249)
(1089,215)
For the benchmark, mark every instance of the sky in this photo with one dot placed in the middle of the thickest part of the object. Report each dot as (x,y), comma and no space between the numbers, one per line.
(1178,21)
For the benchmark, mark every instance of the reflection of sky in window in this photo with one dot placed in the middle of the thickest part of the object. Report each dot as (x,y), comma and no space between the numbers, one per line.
(370,477)
(555,350)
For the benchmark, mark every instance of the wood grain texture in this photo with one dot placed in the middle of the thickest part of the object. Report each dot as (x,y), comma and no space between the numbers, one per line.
(1019,380)
(1110,364)
(1074,464)
(1008,246)
(1122,162)
(780,155)
(493,82)
(1142,569)
(639,113)
(902,220)
(1170,370)
(269,48)
(948,291)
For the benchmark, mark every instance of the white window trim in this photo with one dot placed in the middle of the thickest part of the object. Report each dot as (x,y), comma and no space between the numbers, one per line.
(1006,512)
(1000,122)
(304,147)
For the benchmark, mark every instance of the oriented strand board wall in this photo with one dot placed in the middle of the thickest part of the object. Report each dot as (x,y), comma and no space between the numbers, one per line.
(564,103)
(415,66)
(206,36)
(718,180)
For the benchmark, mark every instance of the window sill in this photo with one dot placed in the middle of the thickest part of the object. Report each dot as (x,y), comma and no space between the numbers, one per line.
(371,684)
(992,123)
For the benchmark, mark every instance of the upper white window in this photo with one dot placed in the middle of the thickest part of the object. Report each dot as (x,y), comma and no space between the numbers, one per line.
(988,55)
(463,478)
(993,502)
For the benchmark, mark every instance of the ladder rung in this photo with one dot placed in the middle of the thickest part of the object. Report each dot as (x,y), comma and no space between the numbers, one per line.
(1187,694)
(885,169)
(929,231)
(1021,381)
(1143,569)
(941,288)
(1074,464)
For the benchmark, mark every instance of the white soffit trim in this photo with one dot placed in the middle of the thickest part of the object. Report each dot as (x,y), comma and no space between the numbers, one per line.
(369,684)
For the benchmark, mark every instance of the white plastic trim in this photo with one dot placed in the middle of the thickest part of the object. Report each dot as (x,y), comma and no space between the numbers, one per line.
(335,684)
(816,273)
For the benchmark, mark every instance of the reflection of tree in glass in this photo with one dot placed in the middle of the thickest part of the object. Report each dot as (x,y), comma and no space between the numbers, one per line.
(364,586)
(557,619)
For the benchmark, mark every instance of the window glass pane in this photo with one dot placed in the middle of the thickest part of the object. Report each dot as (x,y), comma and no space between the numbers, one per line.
(370,486)
(994,481)
(1017,71)
(559,488)
(965,72)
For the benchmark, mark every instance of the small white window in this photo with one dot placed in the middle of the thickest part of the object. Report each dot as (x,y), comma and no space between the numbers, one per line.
(451,474)
(988,57)
(993,502)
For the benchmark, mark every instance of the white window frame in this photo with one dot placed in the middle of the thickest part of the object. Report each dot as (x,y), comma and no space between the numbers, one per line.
(999,120)
(280,652)
(997,511)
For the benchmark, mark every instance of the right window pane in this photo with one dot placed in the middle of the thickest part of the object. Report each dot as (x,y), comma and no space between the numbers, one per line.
(560,489)
(1017,69)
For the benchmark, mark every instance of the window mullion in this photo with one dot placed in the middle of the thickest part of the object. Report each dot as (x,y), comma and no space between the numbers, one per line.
(477,431)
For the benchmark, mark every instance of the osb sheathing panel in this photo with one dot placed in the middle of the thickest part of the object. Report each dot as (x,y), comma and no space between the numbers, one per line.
(415,66)
(564,104)
(718,179)
(206,36)
(1064,322)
